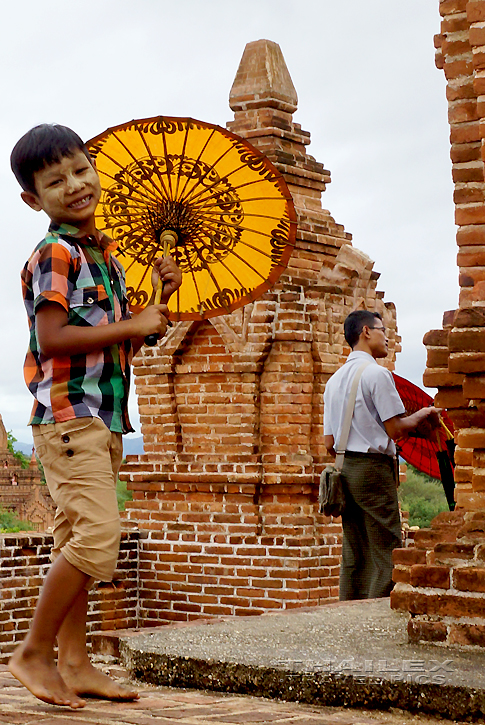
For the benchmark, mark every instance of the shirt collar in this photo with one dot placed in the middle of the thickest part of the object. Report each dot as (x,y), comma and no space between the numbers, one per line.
(102,240)
(360,354)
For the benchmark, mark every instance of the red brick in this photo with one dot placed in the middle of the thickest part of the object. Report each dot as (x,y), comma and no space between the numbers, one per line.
(426,631)
(448,7)
(466,339)
(471,235)
(401,575)
(467,362)
(475,11)
(409,556)
(470,579)
(408,601)
(436,338)
(427,538)
(477,35)
(446,605)
(451,47)
(423,575)
(474,387)
(450,398)
(437,357)
(471,438)
(467,634)
(447,552)
(472,256)
(478,64)
(462,89)
(464,174)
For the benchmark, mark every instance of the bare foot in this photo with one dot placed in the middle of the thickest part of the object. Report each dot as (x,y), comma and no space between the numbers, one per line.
(88,680)
(39,674)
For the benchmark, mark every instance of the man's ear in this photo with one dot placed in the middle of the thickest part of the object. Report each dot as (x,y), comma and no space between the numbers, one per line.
(31,200)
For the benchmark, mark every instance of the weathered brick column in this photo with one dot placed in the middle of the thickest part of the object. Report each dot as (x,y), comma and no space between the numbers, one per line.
(231,408)
(442,583)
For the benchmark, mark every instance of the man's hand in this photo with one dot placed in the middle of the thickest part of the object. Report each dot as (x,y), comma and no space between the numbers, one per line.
(422,423)
(329,443)
(166,269)
(428,424)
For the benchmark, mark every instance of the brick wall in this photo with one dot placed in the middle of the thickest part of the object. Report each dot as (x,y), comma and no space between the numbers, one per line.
(230,548)
(25,561)
(441,582)
(231,408)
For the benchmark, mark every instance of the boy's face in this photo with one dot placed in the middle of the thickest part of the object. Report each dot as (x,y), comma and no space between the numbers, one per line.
(68,192)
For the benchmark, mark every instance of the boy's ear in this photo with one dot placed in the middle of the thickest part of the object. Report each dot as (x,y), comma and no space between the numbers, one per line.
(31,200)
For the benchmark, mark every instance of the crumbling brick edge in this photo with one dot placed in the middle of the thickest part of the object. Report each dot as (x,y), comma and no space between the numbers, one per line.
(315,688)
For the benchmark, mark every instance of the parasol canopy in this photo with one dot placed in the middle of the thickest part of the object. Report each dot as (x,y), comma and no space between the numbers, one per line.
(433,456)
(229,207)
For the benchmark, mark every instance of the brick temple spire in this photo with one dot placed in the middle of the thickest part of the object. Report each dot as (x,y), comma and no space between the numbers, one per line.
(264,99)
(3,436)
(263,80)
(231,407)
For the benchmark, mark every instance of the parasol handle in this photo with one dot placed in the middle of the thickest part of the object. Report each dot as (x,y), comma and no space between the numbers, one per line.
(168,240)
(449,434)
(440,447)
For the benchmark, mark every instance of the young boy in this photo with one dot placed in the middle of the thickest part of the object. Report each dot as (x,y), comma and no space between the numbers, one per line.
(82,338)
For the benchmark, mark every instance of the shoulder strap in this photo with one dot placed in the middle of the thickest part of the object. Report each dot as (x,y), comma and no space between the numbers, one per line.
(344,434)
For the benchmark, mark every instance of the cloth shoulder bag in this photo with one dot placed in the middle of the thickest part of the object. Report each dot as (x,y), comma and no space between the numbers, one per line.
(331,497)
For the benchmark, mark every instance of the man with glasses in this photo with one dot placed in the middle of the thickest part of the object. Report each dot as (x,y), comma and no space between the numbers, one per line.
(371,522)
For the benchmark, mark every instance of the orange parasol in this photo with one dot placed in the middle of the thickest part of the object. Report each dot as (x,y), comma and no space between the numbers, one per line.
(229,209)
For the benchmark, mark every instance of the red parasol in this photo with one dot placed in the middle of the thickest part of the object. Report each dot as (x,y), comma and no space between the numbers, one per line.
(425,454)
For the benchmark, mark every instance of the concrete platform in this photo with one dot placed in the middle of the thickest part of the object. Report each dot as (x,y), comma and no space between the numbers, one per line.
(352,654)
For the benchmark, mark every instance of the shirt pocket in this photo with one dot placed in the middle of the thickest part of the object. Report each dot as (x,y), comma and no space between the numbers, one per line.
(89,306)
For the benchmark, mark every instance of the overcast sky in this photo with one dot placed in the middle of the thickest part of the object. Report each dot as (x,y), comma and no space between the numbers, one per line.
(369,93)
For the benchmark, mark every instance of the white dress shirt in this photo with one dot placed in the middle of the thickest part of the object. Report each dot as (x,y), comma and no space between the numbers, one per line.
(377,400)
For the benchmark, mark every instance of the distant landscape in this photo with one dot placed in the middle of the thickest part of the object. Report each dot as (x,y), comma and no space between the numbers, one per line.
(423,497)
(131,446)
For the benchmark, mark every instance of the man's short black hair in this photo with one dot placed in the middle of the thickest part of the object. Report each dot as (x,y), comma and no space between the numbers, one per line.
(355,323)
(40,147)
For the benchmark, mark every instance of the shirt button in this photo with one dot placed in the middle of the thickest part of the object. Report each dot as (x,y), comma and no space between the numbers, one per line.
(90,300)
(65,438)
(69,453)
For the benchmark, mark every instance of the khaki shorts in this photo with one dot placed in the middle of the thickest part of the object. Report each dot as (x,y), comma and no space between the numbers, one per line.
(81,459)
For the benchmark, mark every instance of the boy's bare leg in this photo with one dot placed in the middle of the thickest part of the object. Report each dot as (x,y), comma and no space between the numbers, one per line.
(73,660)
(33,662)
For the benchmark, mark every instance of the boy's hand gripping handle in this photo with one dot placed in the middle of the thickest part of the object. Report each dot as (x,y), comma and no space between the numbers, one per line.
(168,239)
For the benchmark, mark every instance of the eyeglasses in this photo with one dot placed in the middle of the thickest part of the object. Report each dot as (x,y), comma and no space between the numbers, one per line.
(382,329)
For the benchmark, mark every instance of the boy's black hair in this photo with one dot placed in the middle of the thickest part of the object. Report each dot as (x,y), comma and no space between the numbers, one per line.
(355,323)
(42,146)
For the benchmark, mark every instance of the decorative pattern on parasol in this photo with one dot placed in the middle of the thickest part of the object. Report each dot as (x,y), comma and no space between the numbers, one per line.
(229,207)
(432,456)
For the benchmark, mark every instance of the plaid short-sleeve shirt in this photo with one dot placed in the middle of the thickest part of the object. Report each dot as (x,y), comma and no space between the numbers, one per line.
(89,283)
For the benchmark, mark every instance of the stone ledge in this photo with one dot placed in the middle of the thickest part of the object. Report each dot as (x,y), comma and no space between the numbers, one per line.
(281,656)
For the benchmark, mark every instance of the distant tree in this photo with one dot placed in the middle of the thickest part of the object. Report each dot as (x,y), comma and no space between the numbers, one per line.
(422,496)
(21,457)
(122,494)
(41,469)
(24,460)
(9,523)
